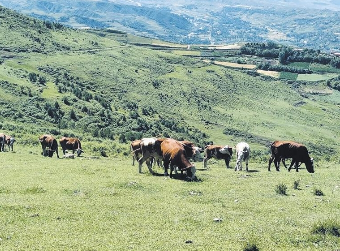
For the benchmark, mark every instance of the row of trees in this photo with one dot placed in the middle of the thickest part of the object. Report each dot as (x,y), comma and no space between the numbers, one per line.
(287,55)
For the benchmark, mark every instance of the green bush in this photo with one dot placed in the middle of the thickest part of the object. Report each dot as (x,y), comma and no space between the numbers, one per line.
(328,227)
(297,184)
(318,192)
(281,189)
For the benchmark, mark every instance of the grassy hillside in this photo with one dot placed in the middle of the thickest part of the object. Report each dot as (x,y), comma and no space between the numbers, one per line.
(108,89)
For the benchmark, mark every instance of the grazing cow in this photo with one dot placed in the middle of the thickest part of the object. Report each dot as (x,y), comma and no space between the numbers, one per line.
(173,153)
(135,150)
(242,154)
(290,149)
(49,142)
(10,142)
(2,142)
(73,144)
(150,149)
(217,152)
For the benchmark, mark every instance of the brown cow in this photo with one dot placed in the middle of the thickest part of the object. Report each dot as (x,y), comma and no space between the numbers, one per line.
(10,142)
(73,144)
(173,153)
(290,149)
(135,150)
(150,150)
(48,141)
(2,142)
(217,152)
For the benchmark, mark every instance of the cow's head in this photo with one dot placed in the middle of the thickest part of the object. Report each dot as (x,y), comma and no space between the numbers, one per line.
(191,173)
(310,165)
(196,154)
(79,151)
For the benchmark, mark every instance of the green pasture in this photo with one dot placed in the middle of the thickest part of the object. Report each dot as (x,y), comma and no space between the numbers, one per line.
(315,77)
(288,75)
(96,203)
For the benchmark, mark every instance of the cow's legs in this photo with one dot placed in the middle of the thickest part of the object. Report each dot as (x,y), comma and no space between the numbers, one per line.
(277,163)
(291,164)
(140,162)
(166,167)
(227,160)
(205,160)
(270,162)
(247,164)
(171,170)
(149,164)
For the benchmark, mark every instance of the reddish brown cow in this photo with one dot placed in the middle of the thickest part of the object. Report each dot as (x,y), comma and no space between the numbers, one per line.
(73,144)
(49,142)
(217,152)
(290,149)
(173,153)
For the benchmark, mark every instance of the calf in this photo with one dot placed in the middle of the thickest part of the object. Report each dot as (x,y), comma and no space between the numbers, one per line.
(290,149)
(217,152)
(73,144)
(49,142)
(242,154)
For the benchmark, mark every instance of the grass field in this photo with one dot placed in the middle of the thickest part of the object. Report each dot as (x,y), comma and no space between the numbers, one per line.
(105,204)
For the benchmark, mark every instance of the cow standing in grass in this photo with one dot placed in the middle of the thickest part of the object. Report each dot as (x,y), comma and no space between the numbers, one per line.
(174,154)
(50,143)
(242,154)
(290,149)
(73,144)
(217,152)
(10,142)
(135,150)
(150,150)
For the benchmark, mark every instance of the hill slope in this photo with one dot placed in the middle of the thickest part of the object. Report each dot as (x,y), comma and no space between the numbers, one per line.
(98,84)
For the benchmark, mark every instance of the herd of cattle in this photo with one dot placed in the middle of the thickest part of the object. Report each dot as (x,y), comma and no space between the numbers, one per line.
(6,140)
(178,155)
(49,145)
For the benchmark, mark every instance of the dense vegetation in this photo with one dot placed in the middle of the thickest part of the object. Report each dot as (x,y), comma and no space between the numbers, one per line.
(98,85)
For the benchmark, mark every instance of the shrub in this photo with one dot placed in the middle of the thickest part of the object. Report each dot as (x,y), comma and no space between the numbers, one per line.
(297,184)
(281,189)
(251,247)
(318,192)
(331,227)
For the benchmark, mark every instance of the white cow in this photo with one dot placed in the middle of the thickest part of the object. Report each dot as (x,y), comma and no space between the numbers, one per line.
(242,154)
(150,150)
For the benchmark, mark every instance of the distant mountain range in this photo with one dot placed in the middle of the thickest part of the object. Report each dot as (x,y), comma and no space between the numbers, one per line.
(301,23)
